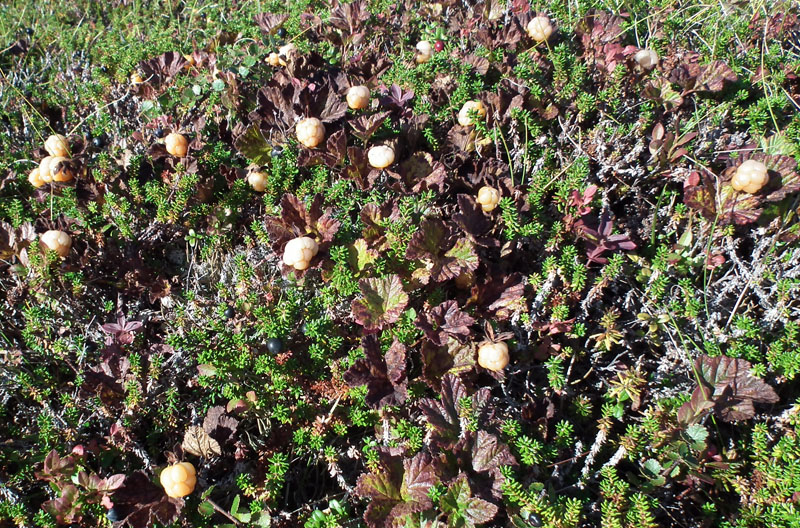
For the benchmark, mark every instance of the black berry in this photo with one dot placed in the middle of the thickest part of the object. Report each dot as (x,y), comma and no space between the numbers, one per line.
(229,312)
(98,142)
(277,151)
(274,345)
(281,32)
(159,132)
(534,520)
(304,328)
(113,515)
(29,31)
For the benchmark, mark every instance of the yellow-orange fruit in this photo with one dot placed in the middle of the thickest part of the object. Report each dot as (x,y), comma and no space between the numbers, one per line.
(299,252)
(179,479)
(57,241)
(750,177)
(470,106)
(44,169)
(646,58)
(488,197)
(60,173)
(177,144)
(35,179)
(56,145)
(285,53)
(357,97)
(540,28)
(380,156)
(493,356)
(258,181)
(310,132)
(424,52)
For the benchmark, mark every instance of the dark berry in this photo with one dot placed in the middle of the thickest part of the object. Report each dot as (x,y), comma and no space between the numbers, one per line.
(159,132)
(281,32)
(98,142)
(274,345)
(277,151)
(29,31)
(534,520)
(304,328)
(438,45)
(229,312)
(113,515)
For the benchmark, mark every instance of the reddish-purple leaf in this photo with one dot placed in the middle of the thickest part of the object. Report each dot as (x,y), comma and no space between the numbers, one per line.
(445,320)
(443,415)
(385,376)
(501,295)
(269,22)
(141,503)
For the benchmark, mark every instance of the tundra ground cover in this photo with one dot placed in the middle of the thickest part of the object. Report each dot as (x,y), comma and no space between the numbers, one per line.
(399,265)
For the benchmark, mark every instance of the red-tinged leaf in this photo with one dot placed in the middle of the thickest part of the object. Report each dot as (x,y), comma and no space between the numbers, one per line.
(713,76)
(141,503)
(783,177)
(462,508)
(445,256)
(451,358)
(419,477)
(359,170)
(269,22)
(366,125)
(277,103)
(473,220)
(382,487)
(443,321)
(733,387)
(219,425)
(479,64)
(297,220)
(56,468)
(66,509)
(374,217)
(429,240)
(398,487)
(382,302)
(737,207)
(443,415)
(501,295)
(361,257)
(660,90)
(692,76)
(489,453)
(385,376)
(697,406)
(113,482)
(350,17)
(163,68)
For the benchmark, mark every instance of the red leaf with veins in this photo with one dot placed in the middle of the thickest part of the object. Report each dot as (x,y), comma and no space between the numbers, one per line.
(384,376)
(445,320)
